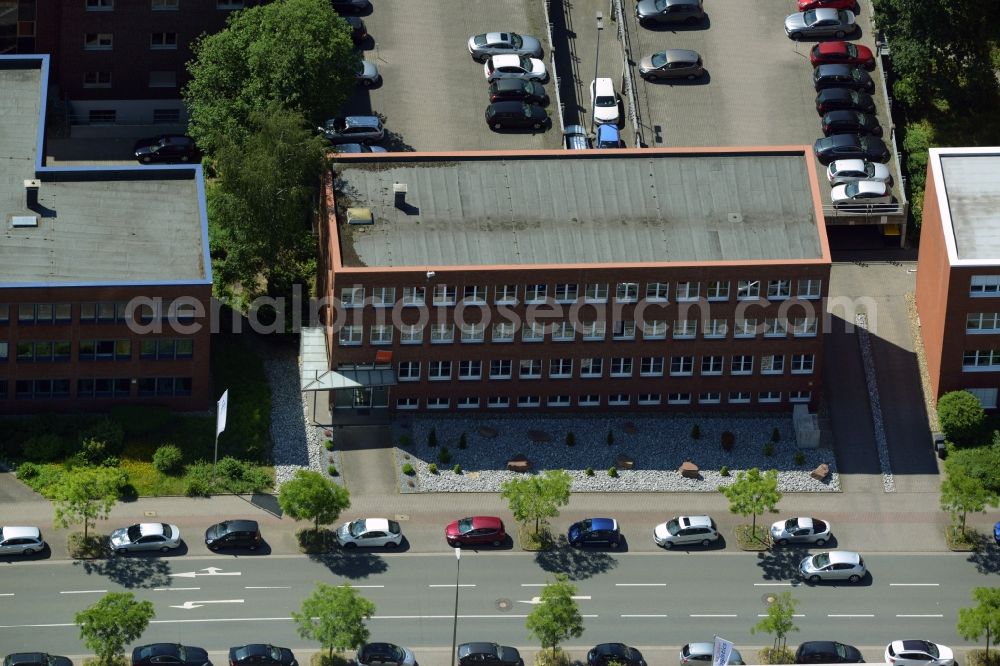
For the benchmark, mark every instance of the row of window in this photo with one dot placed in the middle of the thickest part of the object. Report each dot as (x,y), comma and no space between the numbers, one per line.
(594,368)
(42,389)
(99,312)
(151,349)
(160,116)
(611,400)
(625,292)
(566,331)
(157,5)
(984,285)
(982,322)
(981,360)
(105,41)
(161,78)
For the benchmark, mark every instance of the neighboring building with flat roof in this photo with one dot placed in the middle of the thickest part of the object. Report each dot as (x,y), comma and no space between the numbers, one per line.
(958,272)
(79,245)
(636,279)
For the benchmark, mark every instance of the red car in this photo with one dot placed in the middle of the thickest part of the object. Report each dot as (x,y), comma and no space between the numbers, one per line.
(845,53)
(829,4)
(475,530)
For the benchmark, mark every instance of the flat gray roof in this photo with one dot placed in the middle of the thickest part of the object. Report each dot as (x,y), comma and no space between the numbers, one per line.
(95,225)
(972,187)
(589,207)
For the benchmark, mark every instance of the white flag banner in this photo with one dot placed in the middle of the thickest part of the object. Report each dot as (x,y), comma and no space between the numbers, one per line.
(220,418)
(721,651)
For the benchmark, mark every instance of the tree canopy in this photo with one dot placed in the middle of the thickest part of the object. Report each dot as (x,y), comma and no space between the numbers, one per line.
(779,620)
(753,493)
(557,618)
(87,494)
(537,497)
(961,493)
(112,623)
(334,616)
(961,416)
(297,53)
(983,618)
(311,496)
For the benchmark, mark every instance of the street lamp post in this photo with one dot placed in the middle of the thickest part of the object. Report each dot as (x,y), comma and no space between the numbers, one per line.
(597,59)
(454,626)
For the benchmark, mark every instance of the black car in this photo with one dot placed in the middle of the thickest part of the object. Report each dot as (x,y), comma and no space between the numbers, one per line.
(827,652)
(359,31)
(842,76)
(594,531)
(609,654)
(233,534)
(169,654)
(832,99)
(385,654)
(850,122)
(261,654)
(488,654)
(517,90)
(848,147)
(35,659)
(516,115)
(166,148)
(350,6)
(689,12)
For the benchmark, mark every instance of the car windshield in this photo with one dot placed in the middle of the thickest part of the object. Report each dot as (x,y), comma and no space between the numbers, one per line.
(932,650)
(822,560)
(526,110)
(673,527)
(661,5)
(606,100)
(809,17)
(134,533)
(464,525)
(515,40)
(870,169)
(658,59)
(856,74)
(841,650)
(357,528)
(852,50)
(852,189)
(525,63)
(275,653)
(479,40)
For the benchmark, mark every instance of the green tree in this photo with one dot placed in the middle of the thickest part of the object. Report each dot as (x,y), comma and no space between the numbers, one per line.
(537,497)
(297,53)
(779,620)
(557,618)
(334,616)
(87,494)
(112,623)
(752,493)
(961,416)
(311,496)
(982,462)
(982,618)
(961,493)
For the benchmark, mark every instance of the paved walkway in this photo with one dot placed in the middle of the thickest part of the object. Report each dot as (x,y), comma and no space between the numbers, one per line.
(369,467)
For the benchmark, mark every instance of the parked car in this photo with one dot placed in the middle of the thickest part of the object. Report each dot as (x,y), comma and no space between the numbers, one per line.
(604,101)
(831,99)
(843,53)
(850,146)
(671,64)
(701,654)
(608,136)
(847,121)
(829,4)
(690,12)
(684,531)
(166,148)
(368,75)
(488,654)
(833,565)
(848,171)
(370,533)
(800,530)
(475,530)
(145,536)
(350,6)
(594,531)
(358,148)
(827,652)
(518,90)
(516,115)
(359,31)
(385,654)
(16,540)
(576,137)
(35,659)
(169,654)
(860,193)
(842,76)
(261,654)
(996,533)
(820,23)
(353,129)
(918,653)
(489,44)
(614,654)
(514,67)
(233,534)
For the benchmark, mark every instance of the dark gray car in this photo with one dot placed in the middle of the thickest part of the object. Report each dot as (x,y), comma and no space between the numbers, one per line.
(353,129)
(824,22)
(35,659)
(842,76)
(489,44)
(670,11)
(488,654)
(671,64)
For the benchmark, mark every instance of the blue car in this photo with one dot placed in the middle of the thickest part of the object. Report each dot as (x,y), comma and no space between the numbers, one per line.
(595,531)
(996,533)
(608,137)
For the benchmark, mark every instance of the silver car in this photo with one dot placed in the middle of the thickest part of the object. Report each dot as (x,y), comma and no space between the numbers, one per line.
(20,540)
(800,530)
(833,565)
(701,654)
(145,536)
(353,129)
(489,44)
(841,172)
(368,75)
(671,64)
(824,22)
(685,530)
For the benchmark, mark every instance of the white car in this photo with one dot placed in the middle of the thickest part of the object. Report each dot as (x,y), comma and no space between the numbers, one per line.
(833,565)
(145,536)
(847,171)
(918,653)
(370,533)
(20,540)
(514,67)
(800,530)
(685,530)
(861,193)
(604,101)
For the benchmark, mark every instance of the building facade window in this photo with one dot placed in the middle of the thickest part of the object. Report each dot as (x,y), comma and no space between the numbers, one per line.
(500,368)
(745,328)
(619,400)
(984,285)
(627,292)
(39,351)
(164,386)
(563,331)
(649,399)
(444,294)
(163,40)
(115,350)
(531,368)
(685,329)
(104,312)
(408,371)
(651,366)
(987,396)
(163,79)
(528,401)
(567,293)
(590,400)
(739,397)
(591,368)
(748,290)
(805,327)
(44,313)
(98,41)
(561,368)
(411,334)
(383,297)
(799,396)
(681,366)
(468,403)
(350,336)
(775,328)
(166,116)
(809,289)
(438,370)
(624,329)
(803,364)
(978,360)
(474,295)
(472,333)
(231,4)
(442,334)
(596,293)
(438,403)
(778,290)
(772,364)
(164,5)
(769,396)
(4,313)
(164,349)
(621,367)
(99,5)
(715,328)
(103,387)
(657,292)
(982,322)
(688,291)
(535,293)
(594,330)
(498,402)
(470,370)
(654,330)
(505,294)
(678,398)
(41,389)
(742,364)
(709,398)
(380,334)
(711,365)
(414,296)
(558,401)
(503,332)
(352,297)
(102,116)
(717,290)
(533,332)
(408,403)
(4,355)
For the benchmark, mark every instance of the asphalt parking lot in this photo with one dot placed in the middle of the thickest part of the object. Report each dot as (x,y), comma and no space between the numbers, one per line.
(433,95)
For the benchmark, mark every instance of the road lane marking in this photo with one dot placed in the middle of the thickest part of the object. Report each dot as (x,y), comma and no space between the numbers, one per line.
(644,615)
(451,617)
(772,584)
(209,571)
(914,584)
(268,587)
(765,615)
(189,605)
(289,619)
(640,584)
(366,586)
(713,615)
(533,584)
(850,615)
(7,594)
(83,591)
(452,585)
(538,600)
(928,615)
(174,589)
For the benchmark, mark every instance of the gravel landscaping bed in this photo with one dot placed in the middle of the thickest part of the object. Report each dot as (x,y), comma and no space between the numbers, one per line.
(657,445)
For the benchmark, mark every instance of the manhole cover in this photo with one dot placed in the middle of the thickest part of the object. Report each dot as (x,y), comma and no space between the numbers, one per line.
(401,517)
(149,514)
(769,598)
(504,604)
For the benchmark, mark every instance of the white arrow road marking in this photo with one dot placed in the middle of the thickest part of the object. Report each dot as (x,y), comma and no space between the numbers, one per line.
(538,600)
(188,605)
(209,571)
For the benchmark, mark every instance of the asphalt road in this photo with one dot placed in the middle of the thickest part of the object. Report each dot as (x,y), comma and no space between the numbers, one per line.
(644,599)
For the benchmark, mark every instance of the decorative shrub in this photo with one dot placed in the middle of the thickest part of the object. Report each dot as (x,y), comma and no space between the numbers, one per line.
(457,469)
(613,472)
(695,432)
(27,470)
(168,459)
(444,456)
(723,471)
(332,470)
(432,438)
(800,458)
(408,469)
(463,441)
(775,435)
(432,468)
(570,439)
(589,471)
(769,449)
(961,417)
(611,437)
(94,451)
(728,440)
(109,433)
(328,444)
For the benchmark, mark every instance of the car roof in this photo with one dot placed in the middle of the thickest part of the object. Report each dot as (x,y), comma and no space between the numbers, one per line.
(671,3)
(832,47)
(498,36)
(506,59)
(611,648)
(476,648)
(376,524)
(827,13)
(604,86)
(239,525)
(154,649)
(701,648)
(681,55)
(603,524)
(911,644)
(840,114)
(818,646)
(27,658)
(146,529)
(874,186)
(844,557)
(697,521)
(806,521)
(483,522)
(575,129)
(843,140)
(21,532)
(508,105)
(834,68)
(847,165)
(610,130)
(508,84)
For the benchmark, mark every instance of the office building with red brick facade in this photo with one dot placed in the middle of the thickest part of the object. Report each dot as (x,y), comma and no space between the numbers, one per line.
(657,279)
(958,272)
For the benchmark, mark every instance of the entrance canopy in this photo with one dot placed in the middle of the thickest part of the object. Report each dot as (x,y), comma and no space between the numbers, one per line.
(348,378)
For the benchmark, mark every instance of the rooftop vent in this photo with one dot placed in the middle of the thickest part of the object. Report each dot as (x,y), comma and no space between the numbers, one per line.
(31,193)
(20,221)
(399,192)
(360,216)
